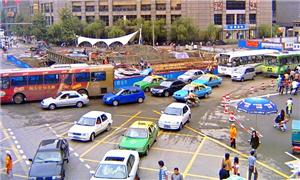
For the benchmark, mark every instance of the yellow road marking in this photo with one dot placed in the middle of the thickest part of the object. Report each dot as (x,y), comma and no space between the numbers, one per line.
(4,139)
(14,162)
(188,167)
(141,117)
(179,134)
(202,177)
(156,112)
(102,140)
(7,148)
(90,160)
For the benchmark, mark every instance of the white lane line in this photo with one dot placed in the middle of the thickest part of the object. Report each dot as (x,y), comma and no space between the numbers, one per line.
(92,172)
(87,166)
(16,142)
(9,129)
(75,154)
(81,160)
(291,155)
(18,147)
(71,149)
(11,133)
(21,151)
(47,125)
(13,137)
(24,157)
(27,162)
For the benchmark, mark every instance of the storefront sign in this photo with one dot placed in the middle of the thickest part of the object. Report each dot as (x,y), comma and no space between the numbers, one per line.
(236,27)
(251,43)
(275,46)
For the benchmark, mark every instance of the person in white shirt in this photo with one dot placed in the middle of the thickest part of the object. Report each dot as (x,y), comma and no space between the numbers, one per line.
(295,85)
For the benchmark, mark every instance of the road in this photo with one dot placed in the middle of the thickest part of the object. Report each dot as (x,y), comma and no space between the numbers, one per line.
(197,150)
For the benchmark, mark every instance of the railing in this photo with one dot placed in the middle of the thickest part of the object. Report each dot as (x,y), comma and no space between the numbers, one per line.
(62,59)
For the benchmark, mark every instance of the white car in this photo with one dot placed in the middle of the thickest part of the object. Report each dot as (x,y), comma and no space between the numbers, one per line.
(65,98)
(90,125)
(118,164)
(190,75)
(175,116)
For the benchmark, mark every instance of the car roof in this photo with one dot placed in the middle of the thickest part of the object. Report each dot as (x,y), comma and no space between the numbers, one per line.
(141,124)
(209,75)
(131,88)
(49,144)
(177,105)
(118,156)
(93,114)
(68,92)
(156,76)
(194,70)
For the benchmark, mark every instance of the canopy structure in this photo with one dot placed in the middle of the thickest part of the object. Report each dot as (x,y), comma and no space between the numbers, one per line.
(123,39)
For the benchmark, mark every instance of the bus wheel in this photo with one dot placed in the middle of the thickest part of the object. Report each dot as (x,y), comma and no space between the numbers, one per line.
(83,91)
(18,98)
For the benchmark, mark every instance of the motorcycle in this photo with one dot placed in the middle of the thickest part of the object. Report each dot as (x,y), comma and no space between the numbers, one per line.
(192,103)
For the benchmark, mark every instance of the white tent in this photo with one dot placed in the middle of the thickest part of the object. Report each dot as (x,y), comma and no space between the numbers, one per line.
(123,39)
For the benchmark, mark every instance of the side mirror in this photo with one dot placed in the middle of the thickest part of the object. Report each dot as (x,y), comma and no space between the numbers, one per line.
(30,160)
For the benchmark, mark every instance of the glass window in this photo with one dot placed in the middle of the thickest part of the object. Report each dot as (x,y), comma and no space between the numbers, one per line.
(111,171)
(129,166)
(76,8)
(160,7)
(38,79)
(218,19)
(136,133)
(82,77)
(146,7)
(90,8)
(74,96)
(235,5)
(103,8)
(18,80)
(229,18)
(103,117)
(98,76)
(241,19)
(4,83)
(252,18)
(90,19)
(51,78)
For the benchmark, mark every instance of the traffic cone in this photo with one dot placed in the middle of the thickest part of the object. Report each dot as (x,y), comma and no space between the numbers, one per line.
(224,101)
(272,83)
(226,109)
(263,87)
(227,98)
(231,116)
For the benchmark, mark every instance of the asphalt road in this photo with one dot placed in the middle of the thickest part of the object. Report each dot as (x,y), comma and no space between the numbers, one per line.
(197,150)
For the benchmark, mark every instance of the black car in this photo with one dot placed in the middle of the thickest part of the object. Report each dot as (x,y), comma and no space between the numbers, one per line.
(167,87)
(49,160)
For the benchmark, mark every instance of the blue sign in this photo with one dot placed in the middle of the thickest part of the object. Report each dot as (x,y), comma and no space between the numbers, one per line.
(236,27)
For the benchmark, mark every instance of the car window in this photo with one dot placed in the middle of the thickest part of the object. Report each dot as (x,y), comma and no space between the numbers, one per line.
(98,120)
(136,133)
(131,160)
(150,130)
(74,96)
(129,166)
(47,156)
(86,121)
(103,117)
(185,109)
(111,171)
(173,111)
(126,92)
(65,96)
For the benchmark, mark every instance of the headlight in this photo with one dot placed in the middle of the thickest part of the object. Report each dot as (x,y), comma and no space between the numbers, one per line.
(160,91)
(108,99)
(56,177)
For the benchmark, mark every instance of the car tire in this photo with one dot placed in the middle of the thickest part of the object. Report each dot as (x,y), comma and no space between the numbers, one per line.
(140,100)
(115,103)
(52,106)
(79,104)
(108,127)
(180,127)
(189,119)
(147,89)
(166,94)
(18,98)
(206,95)
(253,77)
(92,137)
(147,151)
(242,79)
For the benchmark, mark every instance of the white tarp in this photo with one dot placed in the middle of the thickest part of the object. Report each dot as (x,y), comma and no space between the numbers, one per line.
(123,39)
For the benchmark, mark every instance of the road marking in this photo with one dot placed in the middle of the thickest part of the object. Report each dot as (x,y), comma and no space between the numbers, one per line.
(17,175)
(109,135)
(291,155)
(266,95)
(188,167)
(202,177)
(75,154)
(156,112)
(11,133)
(87,166)
(6,148)
(91,160)
(178,134)
(4,139)
(21,151)
(140,117)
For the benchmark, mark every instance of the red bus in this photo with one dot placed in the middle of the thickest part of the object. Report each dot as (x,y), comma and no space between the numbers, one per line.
(20,85)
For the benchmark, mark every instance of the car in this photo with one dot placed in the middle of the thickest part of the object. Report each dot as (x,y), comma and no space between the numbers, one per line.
(49,160)
(124,95)
(190,75)
(140,136)
(243,73)
(167,88)
(148,82)
(198,89)
(90,125)
(118,164)
(175,116)
(65,98)
(210,80)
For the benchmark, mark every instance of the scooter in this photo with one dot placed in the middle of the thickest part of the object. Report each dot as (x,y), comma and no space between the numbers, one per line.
(191,103)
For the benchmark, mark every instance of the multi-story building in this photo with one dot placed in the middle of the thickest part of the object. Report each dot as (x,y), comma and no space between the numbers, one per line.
(237,18)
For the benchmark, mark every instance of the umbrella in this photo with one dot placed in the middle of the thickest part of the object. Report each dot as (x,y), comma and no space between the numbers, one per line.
(257,105)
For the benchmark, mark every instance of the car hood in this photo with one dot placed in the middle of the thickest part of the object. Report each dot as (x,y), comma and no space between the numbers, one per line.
(183,76)
(109,95)
(50,99)
(81,129)
(236,74)
(159,87)
(45,169)
(200,81)
(166,118)
(128,142)
(141,83)
(181,93)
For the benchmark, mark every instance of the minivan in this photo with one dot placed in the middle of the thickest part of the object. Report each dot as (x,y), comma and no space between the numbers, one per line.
(243,73)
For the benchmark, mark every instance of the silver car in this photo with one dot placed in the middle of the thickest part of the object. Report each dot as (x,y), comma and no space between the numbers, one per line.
(190,75)
(65,98)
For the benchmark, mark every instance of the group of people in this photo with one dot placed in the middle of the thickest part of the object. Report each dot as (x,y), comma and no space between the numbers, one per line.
(289,82)
(163,172)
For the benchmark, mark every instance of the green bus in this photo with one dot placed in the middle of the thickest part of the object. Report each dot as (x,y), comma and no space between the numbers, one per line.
(277,63)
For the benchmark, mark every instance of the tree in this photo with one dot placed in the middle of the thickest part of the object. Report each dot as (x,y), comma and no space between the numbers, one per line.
(95,29)
(264,31)
(114,31)
(55,33)
(183,31)
(21,29)
(212,32)
(39,27)
(160,32)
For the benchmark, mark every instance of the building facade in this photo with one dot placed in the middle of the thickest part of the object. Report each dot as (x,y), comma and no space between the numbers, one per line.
(238,19)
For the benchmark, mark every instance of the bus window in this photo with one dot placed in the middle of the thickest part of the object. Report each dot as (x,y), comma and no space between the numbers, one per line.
(283,61)
(51,78)
(18,80)
(38,79)
(98,76)
(4,83)
(68,79)
(82,77)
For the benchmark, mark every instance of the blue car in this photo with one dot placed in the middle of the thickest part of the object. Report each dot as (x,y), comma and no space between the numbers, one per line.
(124,96)
(198,89)
(209,80)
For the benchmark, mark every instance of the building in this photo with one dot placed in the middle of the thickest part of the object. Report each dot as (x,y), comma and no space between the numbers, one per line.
(238,18)
(286,12)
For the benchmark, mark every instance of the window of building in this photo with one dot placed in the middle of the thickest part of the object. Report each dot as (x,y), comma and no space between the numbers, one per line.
(218,19)
(76,8)
(161,7)
(79,17)
(241,19)
(47,8)
(159,17)
(229,18)
(174,17)
(131,17)
(117,17)
(235,5)
(146,17)
(51,7)
(146,7)
(89,8)
(177,7)
(124,8)
(252,18)
(105,19)
(103,8)
(90,19)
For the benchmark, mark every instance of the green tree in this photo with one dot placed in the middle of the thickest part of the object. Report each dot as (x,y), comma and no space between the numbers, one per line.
(95,29)
(160,31)
(264,31)
(55,33)
(183,31)
(39,27)
(22,29)
(114,31)
(212,32)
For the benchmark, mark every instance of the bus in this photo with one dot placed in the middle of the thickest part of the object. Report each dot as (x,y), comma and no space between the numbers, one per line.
(278,63)
(228,62)
(31,84)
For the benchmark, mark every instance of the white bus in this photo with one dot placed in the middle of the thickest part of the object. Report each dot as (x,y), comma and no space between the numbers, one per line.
(228,62)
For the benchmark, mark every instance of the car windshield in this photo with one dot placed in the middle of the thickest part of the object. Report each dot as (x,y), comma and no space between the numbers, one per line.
(47,156)
(86,121)
(173,111)
(189,73)
(117,91)
(166,83)
(58,94)
(136,133)
(148,79)
(188,88)
(111,171)
(239,71)
(205,78)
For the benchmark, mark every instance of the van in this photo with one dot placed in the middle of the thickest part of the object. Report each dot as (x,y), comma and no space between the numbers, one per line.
(243,73)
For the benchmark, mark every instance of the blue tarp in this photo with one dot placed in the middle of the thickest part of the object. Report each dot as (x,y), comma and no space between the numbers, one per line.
(17,62)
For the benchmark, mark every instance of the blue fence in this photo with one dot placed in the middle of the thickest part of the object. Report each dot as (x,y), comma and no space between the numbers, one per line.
(17,62)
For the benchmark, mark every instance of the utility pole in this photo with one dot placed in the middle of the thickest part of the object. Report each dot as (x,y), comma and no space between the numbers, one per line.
(153,37)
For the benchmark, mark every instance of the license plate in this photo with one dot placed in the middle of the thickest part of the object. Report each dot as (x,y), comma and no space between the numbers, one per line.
(167,126)
(76,137)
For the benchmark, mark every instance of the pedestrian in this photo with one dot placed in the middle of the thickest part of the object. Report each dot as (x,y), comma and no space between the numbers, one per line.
(295,87)
(287,84)
(163,172)
(8,164)
(232,135)
(223,174)
(289,106)
(251,166)
(176,175)
(254,141)
(226,161)
(281,86)
(236,166)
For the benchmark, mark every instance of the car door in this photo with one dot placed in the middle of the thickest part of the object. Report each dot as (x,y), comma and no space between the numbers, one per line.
(105,122)
(173,87)
(65,148)
(62,100)
(151,135)
(124,96)
(134,166)
(185,114)
(98,125)
(129,168)
(73,99)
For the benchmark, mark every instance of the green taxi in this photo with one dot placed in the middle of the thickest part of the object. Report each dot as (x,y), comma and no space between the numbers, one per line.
(148,82)
(139,137)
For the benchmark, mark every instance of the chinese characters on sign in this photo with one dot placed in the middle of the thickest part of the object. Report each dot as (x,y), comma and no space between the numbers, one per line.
(252,5)
(218,5)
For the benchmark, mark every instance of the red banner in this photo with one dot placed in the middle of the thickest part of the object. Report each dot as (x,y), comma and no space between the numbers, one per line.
(252,43)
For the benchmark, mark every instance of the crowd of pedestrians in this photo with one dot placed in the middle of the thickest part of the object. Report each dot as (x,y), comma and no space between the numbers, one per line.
(289,82)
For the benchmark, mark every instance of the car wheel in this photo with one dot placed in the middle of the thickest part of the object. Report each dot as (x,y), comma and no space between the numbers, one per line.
(108,127)
(206,95)
(18,99)
(180,127)
(147,89)
(189,119)
(242,79)
(115,103)
(52,106)
(140,100)
(92,137)
(166,94)
(147,151)
(79,104)
(253,77)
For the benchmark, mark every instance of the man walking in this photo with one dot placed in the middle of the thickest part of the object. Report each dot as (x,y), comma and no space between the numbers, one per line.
(162,173)
(232,135)
(289,106)
(252,167)
(176,175)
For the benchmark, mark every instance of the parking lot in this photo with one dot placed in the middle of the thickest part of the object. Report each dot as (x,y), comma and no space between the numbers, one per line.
(197,150)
